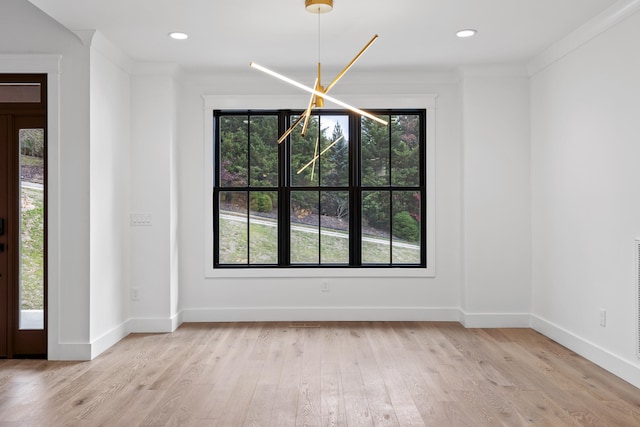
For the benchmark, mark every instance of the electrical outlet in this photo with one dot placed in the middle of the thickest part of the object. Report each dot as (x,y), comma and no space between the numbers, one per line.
(325,286)
(603,317)
(135,294)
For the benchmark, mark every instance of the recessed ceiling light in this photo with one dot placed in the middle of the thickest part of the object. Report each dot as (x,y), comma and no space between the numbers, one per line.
(466,33)
(179,36)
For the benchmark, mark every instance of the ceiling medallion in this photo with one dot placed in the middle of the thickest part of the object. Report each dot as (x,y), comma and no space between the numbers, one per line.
(319,93)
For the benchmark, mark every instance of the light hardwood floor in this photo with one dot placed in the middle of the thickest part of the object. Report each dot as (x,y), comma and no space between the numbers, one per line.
(331,373)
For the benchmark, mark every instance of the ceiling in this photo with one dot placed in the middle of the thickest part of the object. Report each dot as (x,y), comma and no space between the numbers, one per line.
(414,34)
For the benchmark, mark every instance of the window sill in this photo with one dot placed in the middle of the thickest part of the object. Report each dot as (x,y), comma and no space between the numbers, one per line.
(309,273)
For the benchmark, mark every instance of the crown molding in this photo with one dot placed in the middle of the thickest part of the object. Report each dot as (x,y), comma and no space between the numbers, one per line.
(610,17)
(85,36)
(112,52)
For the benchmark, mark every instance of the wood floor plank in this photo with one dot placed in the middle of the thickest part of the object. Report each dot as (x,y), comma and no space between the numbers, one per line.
(216,402)
(240,396)
(332,408)
(274,362)
(285,407)
(322,374)
(261,405)
(290,377)
(356,406)
(406,412)
(382,410)
(309,400)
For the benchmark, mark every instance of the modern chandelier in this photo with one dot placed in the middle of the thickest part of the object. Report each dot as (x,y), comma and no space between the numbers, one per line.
(318,92)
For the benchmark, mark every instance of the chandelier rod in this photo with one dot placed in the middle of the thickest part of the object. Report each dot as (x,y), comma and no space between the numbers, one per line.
(350,64)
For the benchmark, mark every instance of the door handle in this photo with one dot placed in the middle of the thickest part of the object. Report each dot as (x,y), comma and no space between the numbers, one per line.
(1,233)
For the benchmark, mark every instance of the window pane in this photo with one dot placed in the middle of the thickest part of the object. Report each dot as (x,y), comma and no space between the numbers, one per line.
(304,169)
(375,153)
(31,287)
(233,151)
(305,232)
(334,227)
(19,92)
(264,151)
(263,227)
(334,151)
(321,157)
(376,246)
(406,227)
(233,231)
(405,150)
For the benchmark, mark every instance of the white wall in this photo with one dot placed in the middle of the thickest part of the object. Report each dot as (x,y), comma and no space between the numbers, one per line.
(496,287)
(154,252)
(26,31)
(289,298)
(109,189)
(174,203)
(585,204)
(494,159)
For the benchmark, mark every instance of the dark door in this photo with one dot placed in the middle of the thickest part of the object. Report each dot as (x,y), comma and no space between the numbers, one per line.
(23,302)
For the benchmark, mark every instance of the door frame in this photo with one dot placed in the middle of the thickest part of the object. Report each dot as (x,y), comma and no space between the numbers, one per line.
(22,115)
(49,64)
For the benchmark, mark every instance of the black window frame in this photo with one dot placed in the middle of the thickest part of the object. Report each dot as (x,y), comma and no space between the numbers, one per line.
(355,188)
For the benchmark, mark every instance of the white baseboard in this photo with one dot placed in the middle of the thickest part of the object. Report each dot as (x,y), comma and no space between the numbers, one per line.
(618,366)
(495,320)
(69,351)
(176,321)
(310,314)
(108,339)
(154,325)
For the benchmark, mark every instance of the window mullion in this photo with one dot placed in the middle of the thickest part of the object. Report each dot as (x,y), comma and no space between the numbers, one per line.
(422,190)
(319,193)
(248,191)
(216,183)
(355,191)
(284,191)
(390,191)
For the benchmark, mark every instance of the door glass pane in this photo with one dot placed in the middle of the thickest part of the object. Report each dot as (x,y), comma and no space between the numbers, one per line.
(263,227)
(233,237)
(376,246)
(31,286)
(406,227)
(305,232)
(16,93)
